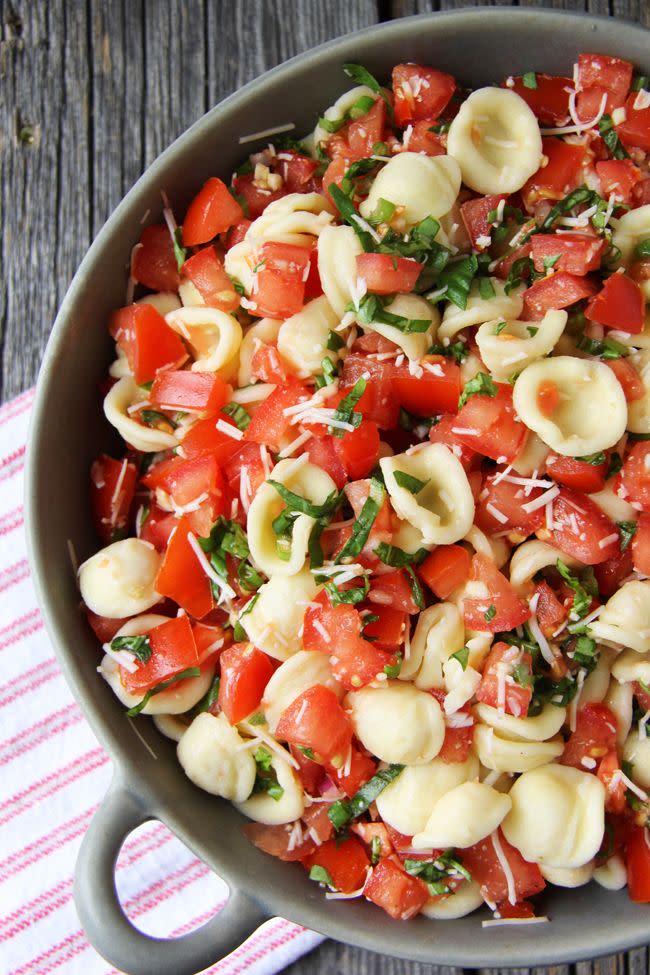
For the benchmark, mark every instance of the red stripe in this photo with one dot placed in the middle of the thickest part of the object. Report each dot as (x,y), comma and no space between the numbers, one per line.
(12,457)
(267,948)
(21,634)
(53,724)
(20,404)
(52,783)
(7,473)
(14,574)
(29,681)
(12,520)
(33,613)
(44,845)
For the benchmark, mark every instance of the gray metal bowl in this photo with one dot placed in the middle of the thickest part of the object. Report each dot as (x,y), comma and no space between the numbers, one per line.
(68,431)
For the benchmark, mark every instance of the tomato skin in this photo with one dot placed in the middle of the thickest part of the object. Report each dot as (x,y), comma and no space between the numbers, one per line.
(611,573)
(346,862)
(172,650)
(208,275)
(365,132)
(446,568)
(212,211)
(393,589)
(267,365)
(269,423)
(280,280)
(573,510)
(562,174)
(296,172)
(256,198)
(379,401)
(594,736)
(316,720)
(323,452)
(618,176)
(392,889)
(185,390)
(589,101)
(635,476)
(620,304)
(507,500)
(184,480)
(556,291)
(236,234)
(104,627)
(362,768)
(549,100)
(502,656)
(386,275)
(387,633)
(510,610)
(475,217)
(635,130)
(495,430)
(157,527)
(615,788)
(483,864)
(423,140)
(641,545)
(628,377)
(108,476)
(147,341)
(441,432)
(245,672)
(358,449)
(550,611)
(204,438)
(154,264)
(578,254)
(436,391)
(638,865)
(607,72)
(181,576)
(577,474)
(420,92)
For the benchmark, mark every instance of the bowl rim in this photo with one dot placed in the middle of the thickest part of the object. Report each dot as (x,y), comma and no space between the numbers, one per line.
(513,949)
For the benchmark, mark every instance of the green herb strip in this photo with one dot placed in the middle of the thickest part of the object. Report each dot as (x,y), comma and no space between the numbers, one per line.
(363,525)
(344,810)
(184,675)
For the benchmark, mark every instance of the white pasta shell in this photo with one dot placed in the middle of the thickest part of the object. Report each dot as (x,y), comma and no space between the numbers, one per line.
(494,548)
(406,803)
(397,722)
(557,816)
(596,685)
(588,392)
(532,457)
(123,394)
(496,141)
(292,678)
(637,751)
(275,622)
(414,344)
(211,755)
(214,337)
(302,339)
(171,725)
(638,416)
(631,229)
(509,350)
(118,581)
(541,727)
(529,559)
(443,511)
(162,301)
(465,899)
(265,330)
(613,874)
(504,755)
(423,185)
(631,666)
(263,808)
(338,248)
(336,112)
(439,632)
(620,701)
(614,507)
(189,294)
(463,816)
(501,307)
(568,876)
(625,619)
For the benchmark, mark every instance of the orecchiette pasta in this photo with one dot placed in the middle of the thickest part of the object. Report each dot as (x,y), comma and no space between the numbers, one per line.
(625,620)
(636,751)
(298,673)
(509,350)
(439,633)
(529,559)
(613,874)
(504,755)
(543,726)
(532,457)
(638,419)
(171,725)
(586,391)
(265,330)
(263,808)
(495,139)
(413,344)
(162,301)
(424,186)
(274,624)
(614,507)
(397,722)
(443,510)
(212,755)
(463,901)
(620,701)
(337,112)
(407,802)
(118,581)
(302,339)
(630,230)
(568,876)
(494,548)
(213,336)
(463,816)
(501,307)
(631,666)
(338,248)
(596,685)
(119,398)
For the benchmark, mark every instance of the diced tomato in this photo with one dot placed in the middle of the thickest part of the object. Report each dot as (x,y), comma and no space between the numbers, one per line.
(641,193)
(549,100)
(205,437)
(394,589)
(475,217)
(187,480)
(147,341)
(104,627)
(394,890)
(334,174)
(423,140)
(245,672)
(490,426)
(628,377)
(371,831)
(112,486)
(210,640)
(503,268)
(365,132)
(554,292)
(236,234)
(445,569)
(619,305)
(484,865)
(181,575)
(641,545)
(635,476)
(562,174)
(296,170)
(266,364)
(638,865)
(278,841)
(362,768)
(379,402)
(212,211)
(436,391)
(154,263)
(611,573)
(582,529)
(386,275)
(346,861)
(248,457)
(519,910)
(634,132)
(495,690)
(589,102)
(501,507)
(458,741)
(173,650)
(323,453)
(310,773)
(208,275)
(643,697)
(577,474)
(502,604)
(181,389)
(606,72)
(578,254)
(441,432)
(420,92)
(595,735)
(316,720)
(550,611)
(618,177)
(158,526)
(269,422)
(282,271)
(615,788)
(358,449)
(386,633)
(254,194)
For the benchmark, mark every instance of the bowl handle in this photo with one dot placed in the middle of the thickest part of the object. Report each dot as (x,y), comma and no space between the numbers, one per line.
(108,928)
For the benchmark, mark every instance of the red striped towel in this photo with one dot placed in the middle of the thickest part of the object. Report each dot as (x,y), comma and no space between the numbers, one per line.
(54,774)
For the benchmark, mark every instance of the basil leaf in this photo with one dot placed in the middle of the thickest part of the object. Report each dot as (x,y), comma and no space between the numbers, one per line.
(139,646)
(627,531)
(209,698)
(334,342)
(179,251)
(348,212)
(415,587)
(397,557)
(462,656)
(382,212)
(551,261)
(529,79)
(412,484)
(184,675)
(366,519)
(440,128)
(457,279)
(456,350)
(585,652)
(321,875)
(490,613)
(257,718)
(345,413)
(643,248)
(342,811)
(640,81)
(486,289)
(238,414)
(518,274)
(348,596)
(263,759)
(392,670)
(481,385)
(608,348)
(610,137)
(596,459)
(371,311)
(363,77)
(295,502)
(582,195)
(581,598)
(331,125)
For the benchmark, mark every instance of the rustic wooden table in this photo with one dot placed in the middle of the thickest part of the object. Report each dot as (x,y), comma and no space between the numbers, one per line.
(90,92)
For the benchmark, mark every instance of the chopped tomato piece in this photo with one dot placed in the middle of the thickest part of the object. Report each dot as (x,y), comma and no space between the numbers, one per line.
(496,690)
(549,100)
(615,788)
(619,305)
(577,254)
(186,480)
(346,861)
(369,831)
(441,432)
(254,194)
(606,72)
(236,234)
(445,569)
(394,589)
(610,573)
(205,437)
(379,402)
(154,263)
(504,266)
(577,474)
(334,174)
(501,609)
(590,102)
(628,377)
(556,291)
(323,453)
(282,271)
(635,476)
(638,865)
(358,449)
(641,545)
(158,526)
(420,92)
(362,768)
(484,865)
(147,341)
(212,211)
(279,841)
(365,132)
(618,177)
(181,575)
(112,487)
(104,627)
(208,275)
(266,364)
(386,633)
(423,140)
(310,773)
(635,130)
(594,736)
(316,720)
(173,650)
(475,217)
(392,889)
(490,426)
(582,529)
(458,740)
(182,389)
(387,275)
(562,174)
(518,910)
(245,672)
(296,169)
(502,507)
(246,471)
(269,423)
(436,391)
(550,611)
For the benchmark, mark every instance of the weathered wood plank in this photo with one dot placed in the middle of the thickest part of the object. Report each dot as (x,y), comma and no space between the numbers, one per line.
(332,958)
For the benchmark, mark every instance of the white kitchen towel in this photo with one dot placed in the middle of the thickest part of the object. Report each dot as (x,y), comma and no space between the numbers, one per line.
(54,774)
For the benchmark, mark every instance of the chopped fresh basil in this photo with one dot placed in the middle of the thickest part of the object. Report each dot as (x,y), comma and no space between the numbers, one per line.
(610,137)
(334,342)
(361,107)
(521,675)
(263,759)
(179,251)
(330,372)
(342,811)
(643,248)
(627,531)
(348,212)
(331,125)
(615,465)
(237,413)
(139,646)
(371,311)
(266,779)
(582,195)
(410,483)
(481,385)
(320,875)
(228,538)
(209,698)
(362,167)
(486,289)
(184,675)
(362,76)
(345,412)
(392,670)
(382,212)
(143,514)
(490,613)
(457,279)
(258,718)
(366,519)
(596,459)
(518,274)
(153,417)
(296,503)
(532,330)
(440,128)
(415,587)
(640,81)
(397,557)
(307,752)
(462,656)
(551,261)
(375,851)
(456,350)
(237,285)
(436,873)
(529,79)
(581,597)
(585,652)
(352,596)
(607,348)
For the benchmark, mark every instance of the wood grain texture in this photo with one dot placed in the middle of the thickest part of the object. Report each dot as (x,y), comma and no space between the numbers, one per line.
(90,92)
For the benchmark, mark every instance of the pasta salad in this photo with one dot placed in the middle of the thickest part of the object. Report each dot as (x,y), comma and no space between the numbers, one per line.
(377,551)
